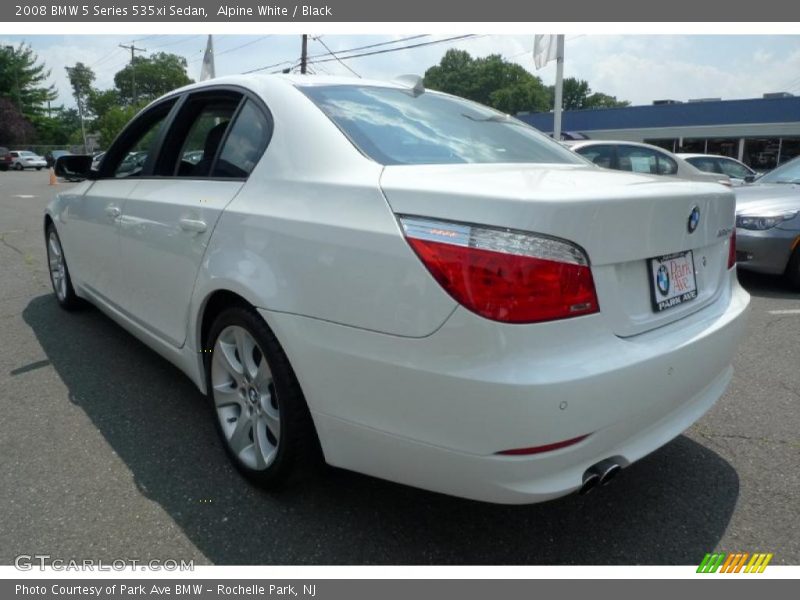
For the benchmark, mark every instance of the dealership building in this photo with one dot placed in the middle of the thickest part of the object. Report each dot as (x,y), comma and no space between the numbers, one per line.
(762,132)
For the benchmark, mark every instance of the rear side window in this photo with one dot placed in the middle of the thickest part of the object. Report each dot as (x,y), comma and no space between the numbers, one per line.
(245,143)
(638,160)
(394,127)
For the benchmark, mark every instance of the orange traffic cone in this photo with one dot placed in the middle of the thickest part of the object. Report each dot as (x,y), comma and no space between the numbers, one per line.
(53,180)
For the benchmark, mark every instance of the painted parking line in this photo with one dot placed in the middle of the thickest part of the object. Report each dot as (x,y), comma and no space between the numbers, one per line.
(793,311)
(23,196)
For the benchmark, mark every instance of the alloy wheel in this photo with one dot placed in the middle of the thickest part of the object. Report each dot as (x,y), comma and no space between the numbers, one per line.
(58,270)
(245,399)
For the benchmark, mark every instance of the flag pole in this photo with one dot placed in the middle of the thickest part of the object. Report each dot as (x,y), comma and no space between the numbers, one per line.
(207,70)
(559,87)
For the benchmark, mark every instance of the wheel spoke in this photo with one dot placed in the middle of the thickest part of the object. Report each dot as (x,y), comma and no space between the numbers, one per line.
(224,354)
(245,346)
(272,420)
(263,376)
(226,394)
(262,448)
(55,247)
(240,438)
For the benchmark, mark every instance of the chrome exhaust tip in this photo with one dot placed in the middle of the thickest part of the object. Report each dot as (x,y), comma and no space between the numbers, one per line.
(609,473)
(600,474)
(590,481)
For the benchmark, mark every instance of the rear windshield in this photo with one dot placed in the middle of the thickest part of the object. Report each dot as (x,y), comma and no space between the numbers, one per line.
(393,127)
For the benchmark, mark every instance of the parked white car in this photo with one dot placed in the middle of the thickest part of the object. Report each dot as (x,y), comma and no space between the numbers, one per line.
(25,159)
(639,157)
(419,287)
(739,173)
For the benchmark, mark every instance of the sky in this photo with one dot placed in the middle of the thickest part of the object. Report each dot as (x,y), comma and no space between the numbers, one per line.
(639,69)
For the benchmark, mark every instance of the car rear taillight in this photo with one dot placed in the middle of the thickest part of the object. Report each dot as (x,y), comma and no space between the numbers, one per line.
(503,274)
(732,250)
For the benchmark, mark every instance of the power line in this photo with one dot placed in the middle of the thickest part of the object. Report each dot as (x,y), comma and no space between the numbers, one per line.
(283,62)
(409,47)
(250,43)
(319,39)
(367,47)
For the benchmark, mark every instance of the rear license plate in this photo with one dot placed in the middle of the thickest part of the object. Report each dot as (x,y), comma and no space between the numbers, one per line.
(672,280)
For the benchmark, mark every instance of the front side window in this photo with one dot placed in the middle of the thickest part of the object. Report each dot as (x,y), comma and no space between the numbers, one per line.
(704,163)
(394,127)
(731,168)
(129,154)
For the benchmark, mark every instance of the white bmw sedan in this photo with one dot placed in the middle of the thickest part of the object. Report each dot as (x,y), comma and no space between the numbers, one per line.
(405,283)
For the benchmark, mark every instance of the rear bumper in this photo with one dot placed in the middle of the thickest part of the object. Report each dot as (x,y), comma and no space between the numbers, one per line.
(764,251)
(433,412)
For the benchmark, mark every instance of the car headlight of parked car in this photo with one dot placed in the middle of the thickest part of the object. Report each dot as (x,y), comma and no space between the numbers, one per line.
(763,222)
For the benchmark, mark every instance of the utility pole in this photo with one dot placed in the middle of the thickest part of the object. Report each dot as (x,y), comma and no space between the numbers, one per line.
(133,49)
(304,55)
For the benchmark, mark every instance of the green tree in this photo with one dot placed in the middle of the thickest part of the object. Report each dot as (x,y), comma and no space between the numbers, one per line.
(578,95)
(491,80)
(111,123)
(23,81)
(81,78)
(99,102)
(154,75)
(15,129)
(60,129)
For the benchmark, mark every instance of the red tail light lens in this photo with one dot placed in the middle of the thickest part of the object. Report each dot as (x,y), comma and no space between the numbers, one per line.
(505,275)
(732,251)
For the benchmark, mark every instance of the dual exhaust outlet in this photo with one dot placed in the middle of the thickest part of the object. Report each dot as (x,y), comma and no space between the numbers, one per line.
(600,474)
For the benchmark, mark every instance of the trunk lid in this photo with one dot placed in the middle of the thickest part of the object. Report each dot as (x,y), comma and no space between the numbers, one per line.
(621,220)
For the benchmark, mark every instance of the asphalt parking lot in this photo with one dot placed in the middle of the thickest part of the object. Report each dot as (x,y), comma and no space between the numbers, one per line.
(109,452)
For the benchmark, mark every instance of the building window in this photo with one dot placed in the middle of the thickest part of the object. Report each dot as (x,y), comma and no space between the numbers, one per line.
(761,153)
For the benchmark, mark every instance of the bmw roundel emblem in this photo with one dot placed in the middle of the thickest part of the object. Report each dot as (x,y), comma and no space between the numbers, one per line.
(662,280)
(694,219)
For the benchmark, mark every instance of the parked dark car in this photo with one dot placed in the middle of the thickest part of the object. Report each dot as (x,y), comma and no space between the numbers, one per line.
(5,159)
(54,155)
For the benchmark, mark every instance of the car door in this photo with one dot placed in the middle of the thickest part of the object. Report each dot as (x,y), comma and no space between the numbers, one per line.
(169,217)
(91,228)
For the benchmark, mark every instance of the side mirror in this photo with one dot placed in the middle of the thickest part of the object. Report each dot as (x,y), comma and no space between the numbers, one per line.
(750,179)
(74,167)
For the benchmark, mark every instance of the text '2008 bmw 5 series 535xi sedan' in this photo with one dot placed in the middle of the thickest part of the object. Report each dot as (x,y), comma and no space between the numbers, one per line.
(405,284)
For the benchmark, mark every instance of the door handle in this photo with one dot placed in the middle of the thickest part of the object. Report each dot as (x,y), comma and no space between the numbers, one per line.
(113,211)
(193,225)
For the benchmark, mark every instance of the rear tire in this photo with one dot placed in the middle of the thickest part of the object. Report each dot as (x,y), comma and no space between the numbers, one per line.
(38,168)
(259,410)
(19,167)
(793,269)
(59,272)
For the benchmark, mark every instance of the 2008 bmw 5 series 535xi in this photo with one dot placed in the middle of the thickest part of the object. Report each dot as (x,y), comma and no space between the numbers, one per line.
(413,285)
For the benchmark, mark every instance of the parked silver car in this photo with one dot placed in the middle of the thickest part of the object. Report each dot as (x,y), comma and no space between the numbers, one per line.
(768,223)
(25,159)
(739,172)
(641,158)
